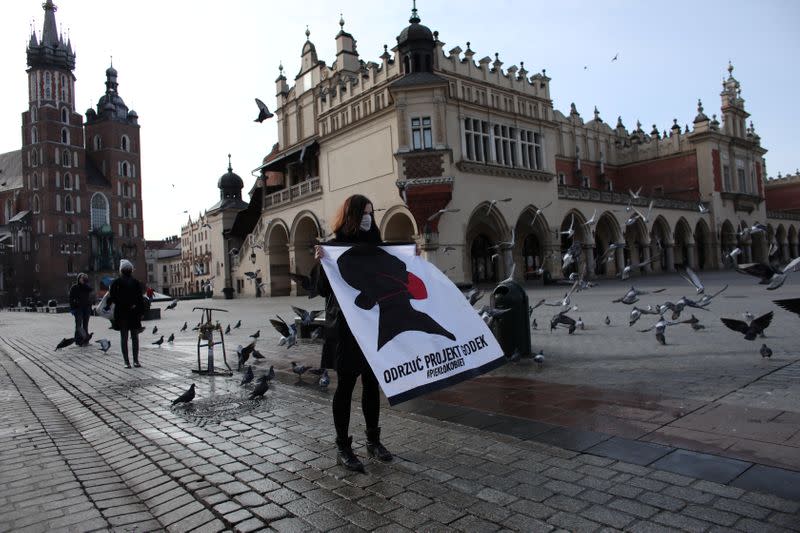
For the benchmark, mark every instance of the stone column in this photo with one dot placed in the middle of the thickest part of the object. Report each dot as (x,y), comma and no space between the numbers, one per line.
(588,251)
(747,253)
(552,260)
(619,263)
(793,249)
(669,251)
(656,266)
(648,268)
(691,251)
(635,258)
(785,252)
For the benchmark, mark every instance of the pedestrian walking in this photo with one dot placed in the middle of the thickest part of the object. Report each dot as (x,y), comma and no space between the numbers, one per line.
(127,295)
(81,297)
(354,223)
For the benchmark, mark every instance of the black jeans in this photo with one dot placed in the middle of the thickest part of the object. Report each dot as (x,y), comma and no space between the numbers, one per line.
(81,325)
(123,343)
(370,401)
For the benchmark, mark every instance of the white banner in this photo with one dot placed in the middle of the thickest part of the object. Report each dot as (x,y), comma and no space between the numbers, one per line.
(415,327)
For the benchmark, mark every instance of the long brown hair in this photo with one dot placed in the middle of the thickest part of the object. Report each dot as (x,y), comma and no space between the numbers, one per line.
(348,218)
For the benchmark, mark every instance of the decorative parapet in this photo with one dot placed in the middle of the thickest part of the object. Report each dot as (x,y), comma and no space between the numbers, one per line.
(742,201)
(504,172)
(302,191)
(783,215)
(608,197)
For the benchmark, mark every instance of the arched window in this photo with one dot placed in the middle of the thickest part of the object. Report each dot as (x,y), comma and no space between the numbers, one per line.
(35,180)
(125,143)
(34,114)
(66,158)
(64,88)
(35,203)
(65,135)
(98,142)
(99,211)
(34,157)
(9,210)
(125,169)
(67,181)
(34,135)
(68,204)
(64,115)
(48,86)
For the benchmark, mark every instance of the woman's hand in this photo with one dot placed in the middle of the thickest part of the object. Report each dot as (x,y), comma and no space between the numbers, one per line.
(319,253)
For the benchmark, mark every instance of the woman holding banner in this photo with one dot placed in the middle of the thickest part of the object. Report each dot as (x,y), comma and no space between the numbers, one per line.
(354,224)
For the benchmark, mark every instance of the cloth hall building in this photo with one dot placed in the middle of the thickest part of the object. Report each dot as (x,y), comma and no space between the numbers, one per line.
(426,128)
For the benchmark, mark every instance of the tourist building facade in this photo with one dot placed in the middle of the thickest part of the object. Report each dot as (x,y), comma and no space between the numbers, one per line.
(71,198)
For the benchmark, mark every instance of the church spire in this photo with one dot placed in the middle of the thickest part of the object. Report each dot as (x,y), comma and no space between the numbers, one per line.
(50,32)
(51,50)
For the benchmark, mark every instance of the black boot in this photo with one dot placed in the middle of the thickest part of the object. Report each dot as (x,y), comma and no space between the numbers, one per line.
(375,448)
(345,455)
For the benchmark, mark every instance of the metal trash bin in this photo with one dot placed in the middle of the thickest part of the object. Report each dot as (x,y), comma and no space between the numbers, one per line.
(512,329)
(228,292)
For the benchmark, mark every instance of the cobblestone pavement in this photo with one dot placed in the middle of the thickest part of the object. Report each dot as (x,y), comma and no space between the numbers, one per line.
(86,444)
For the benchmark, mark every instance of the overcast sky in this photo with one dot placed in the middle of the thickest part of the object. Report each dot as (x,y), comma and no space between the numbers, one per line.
(192,69)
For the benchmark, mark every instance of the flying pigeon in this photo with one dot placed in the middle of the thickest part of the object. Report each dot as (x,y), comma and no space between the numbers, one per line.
(105,344)
(262,385)
(252,275)
(317,333)
(258,355)
(66,341)
(489,314)
(562,318)
(634,195)
(155,330)
(185,326)
(474,296)
(626,272)
(492,203)
(263,112)
(660,326)
(689,275)
(159,342)
(752,329)
(306,317)
(256,335)
(288,332)
(186,397)
(765,351)
(248,375)
(305,283)
(173,304)
(244,353)
(791,304)
(571,230)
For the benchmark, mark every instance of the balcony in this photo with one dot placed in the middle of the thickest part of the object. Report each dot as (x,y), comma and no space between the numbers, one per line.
(301,191)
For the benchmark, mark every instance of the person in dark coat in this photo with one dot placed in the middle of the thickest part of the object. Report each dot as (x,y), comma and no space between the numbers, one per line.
(354,223)
(81,297)
(127,295)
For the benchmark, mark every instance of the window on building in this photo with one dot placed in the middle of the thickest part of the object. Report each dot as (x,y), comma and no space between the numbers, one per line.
(35,181)
(67,181)
(64,115)
(64,90)
(125,143)
(562,179)
(66,159)
(34,114)
(99,211)
(48,86)
(477,140)
(125,169)
(65,135)
(34,158)
(35,203)
(741,176)
(70,227)
(726,178)
(421,136)
(585,182)
(68,204)
(98,142)
(34,135)
(505,145)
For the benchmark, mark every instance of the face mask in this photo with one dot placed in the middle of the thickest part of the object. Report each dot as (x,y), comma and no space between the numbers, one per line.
(366,222)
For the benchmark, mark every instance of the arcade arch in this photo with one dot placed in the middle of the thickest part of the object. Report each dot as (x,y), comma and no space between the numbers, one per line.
(277,249)
(305,234)
(486,228)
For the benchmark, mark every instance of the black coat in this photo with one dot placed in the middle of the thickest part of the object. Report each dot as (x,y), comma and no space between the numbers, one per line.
(81,296)
(126,293)
(340,350)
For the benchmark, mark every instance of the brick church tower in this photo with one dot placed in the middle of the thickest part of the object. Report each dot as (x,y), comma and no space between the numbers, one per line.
(79,206)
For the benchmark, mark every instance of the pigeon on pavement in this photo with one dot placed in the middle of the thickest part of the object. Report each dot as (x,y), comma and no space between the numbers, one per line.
(186,397)
(238,324)
(765,351)
(184,327)
(155,330)
(173,304)
(228,329)
(171,337)
(66,341)
(159,342)
(256,335)
(262,385)
(299,370)
(248,375)
(105,344)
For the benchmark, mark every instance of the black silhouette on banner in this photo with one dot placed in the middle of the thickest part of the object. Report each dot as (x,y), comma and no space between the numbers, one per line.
(383,280)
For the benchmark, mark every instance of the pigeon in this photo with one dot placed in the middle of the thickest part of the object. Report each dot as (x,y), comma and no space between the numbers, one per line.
(773,277)
(580,323)
(324,380)
(645,218)
(270,375)
(689,275)
(237,325)
(228,329)
(185,326)
(698,327)
(258,355)
(256,335)
(706,299)
(752,329)
(730,257)
(492,203)
(570,231)
(489,314)
(703,209)
(636,314)
(562,318)
(626,272)
(252,275)
(608,320)
(243,354)
(534,325)
(634,195)
(186,397)
(660,326)
(105,344)
(791,304)
(87,340)
(441,212)
(306,317)
(539,211)
(537,304)
(514,357)
(317,333)
(248,375)
(306,283)
(155,330)
(539,358)
(263,112)
(765,351)
(608,255)
(159,342)
(288,332)
(171,337)
(593,220)
(172,304)
(299,370)
(262,385)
